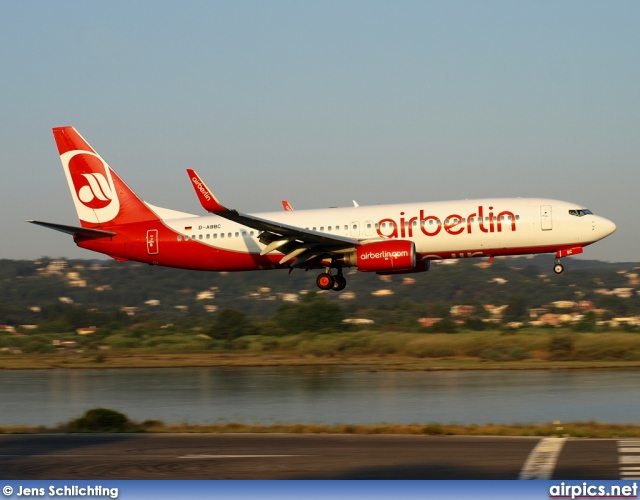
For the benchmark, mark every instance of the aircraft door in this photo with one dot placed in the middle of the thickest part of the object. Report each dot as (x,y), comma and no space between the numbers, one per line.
(152,241)
(368,227)
(546,222)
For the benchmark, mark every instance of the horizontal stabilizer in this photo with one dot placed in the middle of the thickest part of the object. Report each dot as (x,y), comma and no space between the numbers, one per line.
(73,230)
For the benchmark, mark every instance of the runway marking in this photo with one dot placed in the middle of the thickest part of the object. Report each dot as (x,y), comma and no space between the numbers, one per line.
(542,460)
(629,458)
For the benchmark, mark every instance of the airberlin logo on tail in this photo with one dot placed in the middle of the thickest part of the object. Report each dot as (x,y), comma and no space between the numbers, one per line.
(97,193)
(200,186)
(91,186)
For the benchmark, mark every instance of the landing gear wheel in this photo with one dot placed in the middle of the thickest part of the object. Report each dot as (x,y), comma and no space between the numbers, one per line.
(558,268)
(325,281)
(339,282)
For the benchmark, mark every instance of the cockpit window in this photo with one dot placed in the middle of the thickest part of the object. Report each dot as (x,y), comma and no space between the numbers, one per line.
(580,212)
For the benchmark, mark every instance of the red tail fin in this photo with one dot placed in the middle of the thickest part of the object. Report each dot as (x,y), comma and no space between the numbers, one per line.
(101,198)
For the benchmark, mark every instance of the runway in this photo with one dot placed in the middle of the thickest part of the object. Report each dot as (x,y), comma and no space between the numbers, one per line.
(292,456)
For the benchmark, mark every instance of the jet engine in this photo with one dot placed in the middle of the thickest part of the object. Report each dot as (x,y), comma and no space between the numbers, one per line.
(383,256)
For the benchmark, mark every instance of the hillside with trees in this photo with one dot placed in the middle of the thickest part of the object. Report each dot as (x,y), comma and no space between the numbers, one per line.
(49,304)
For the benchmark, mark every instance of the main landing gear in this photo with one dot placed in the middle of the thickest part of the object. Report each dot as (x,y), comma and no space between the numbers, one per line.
(558,268)
(327,281)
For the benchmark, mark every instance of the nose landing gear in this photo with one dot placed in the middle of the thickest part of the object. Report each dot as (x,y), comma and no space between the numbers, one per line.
(327,281)
(558,268)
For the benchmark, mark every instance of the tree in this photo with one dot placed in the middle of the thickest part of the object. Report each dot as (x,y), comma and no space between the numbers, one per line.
(313,314)
(516,310)
(231,324)
(587,323)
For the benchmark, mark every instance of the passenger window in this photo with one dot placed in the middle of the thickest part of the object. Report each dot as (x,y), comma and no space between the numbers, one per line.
(179,238)
(199,236)
(221,235)
(237,234)
(215,236)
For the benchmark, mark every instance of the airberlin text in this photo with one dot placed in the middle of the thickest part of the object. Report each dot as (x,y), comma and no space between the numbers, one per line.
(454,224)
(203,190)
(384,255)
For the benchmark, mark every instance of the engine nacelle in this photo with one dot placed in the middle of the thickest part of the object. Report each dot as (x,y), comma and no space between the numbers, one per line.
(422,266)
(386,256)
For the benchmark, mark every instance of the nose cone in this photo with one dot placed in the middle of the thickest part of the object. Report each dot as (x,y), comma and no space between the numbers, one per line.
(604,227)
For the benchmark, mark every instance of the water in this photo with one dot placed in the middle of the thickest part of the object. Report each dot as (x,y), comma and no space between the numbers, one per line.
(321,395)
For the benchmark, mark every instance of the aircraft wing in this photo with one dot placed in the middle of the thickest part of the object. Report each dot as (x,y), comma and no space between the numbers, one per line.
(295,242)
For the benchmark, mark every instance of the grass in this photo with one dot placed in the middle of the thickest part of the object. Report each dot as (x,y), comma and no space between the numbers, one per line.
(360,362)
(574,429)
(526,349)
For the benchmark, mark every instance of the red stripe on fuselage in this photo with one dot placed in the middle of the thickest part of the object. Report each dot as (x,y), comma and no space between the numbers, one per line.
(528,250)
(130,243)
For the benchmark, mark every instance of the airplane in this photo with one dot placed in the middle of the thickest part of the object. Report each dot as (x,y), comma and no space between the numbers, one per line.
(384,239)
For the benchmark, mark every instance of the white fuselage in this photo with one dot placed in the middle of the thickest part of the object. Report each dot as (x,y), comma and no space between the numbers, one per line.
(450,229)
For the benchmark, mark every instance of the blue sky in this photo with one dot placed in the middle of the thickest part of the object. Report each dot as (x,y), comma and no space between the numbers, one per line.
(320,103)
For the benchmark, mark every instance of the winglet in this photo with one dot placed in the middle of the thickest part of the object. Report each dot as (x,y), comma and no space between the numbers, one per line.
(287,206)
(206,197)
